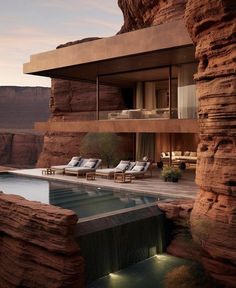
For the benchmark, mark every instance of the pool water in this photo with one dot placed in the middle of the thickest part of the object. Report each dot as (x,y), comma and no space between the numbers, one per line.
(154,273)
(84,200)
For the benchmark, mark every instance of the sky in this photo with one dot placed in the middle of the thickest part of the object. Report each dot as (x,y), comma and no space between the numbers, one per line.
(32,26)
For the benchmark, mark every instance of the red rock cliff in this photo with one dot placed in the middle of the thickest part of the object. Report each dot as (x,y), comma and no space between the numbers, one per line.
(20,149)
(74,101)
(20,107)
(37,245)
(212,27)
(145,13)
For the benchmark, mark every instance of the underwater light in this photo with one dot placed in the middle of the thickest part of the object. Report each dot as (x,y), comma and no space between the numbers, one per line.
(113,275)
(161,256)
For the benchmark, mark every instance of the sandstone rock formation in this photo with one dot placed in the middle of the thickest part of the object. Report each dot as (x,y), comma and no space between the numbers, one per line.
(146,13)
(211,25)
(71,97)
(20,107)
(179,240)
(59,148)
(38,248)
(75,101)
(20,149)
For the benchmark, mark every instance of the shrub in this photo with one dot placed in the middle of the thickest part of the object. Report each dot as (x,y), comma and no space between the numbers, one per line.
(171,174)
(101,145)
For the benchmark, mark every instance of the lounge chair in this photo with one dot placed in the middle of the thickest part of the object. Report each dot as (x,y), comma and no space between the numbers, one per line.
(85,165)
(61,168)
(139,169)
(109,172)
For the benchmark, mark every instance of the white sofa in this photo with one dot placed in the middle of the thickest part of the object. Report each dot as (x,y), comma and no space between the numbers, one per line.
(189,157)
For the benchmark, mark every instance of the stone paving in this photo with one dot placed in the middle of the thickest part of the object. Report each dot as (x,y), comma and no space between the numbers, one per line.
(185,188)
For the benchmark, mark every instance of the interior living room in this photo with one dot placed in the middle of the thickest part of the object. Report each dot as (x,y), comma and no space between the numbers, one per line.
(155,79)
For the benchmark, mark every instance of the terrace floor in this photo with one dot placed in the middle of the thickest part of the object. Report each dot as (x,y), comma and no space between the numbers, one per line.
(185,188)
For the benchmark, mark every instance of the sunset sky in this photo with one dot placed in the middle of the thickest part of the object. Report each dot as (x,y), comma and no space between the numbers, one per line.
(32,26)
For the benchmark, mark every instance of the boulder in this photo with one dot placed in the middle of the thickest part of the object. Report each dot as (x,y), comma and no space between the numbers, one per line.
(37,243)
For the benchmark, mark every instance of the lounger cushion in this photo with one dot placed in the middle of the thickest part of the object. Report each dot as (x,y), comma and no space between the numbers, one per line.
(74,161)
(91,163)
(131,165)
(122,166)
(139,166)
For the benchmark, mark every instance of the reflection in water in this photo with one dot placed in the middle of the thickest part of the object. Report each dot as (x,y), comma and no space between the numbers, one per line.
(83,200)
(89,200)
(29,188)
(150,273)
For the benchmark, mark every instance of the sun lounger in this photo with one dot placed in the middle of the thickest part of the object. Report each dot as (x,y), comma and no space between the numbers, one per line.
(109,172)
(61,168)
(85,165)
(139,169)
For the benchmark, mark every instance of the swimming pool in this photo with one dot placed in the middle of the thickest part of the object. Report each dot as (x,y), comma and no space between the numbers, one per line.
(84,200)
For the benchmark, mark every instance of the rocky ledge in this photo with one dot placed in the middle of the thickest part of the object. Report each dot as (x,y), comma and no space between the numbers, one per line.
(37,243)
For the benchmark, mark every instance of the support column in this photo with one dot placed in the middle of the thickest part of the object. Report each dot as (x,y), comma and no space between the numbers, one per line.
(97,98)
(170,112)
(170,91)
(170,148)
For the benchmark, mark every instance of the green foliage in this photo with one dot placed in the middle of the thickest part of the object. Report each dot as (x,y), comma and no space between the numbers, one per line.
(171,174)
(102,145)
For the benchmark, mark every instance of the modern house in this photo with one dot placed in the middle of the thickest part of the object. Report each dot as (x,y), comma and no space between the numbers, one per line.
(154,67)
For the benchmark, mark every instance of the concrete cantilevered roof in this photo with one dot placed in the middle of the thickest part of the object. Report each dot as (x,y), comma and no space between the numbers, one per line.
(157,46)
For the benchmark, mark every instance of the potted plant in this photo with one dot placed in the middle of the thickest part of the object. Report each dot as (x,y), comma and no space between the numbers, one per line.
(171,174)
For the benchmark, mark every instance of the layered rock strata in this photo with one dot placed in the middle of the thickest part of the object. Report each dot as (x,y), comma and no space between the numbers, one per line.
(20,149)
(76,101)
(38,248)
(211,24)
(20,107)
(179,240)
(146,13)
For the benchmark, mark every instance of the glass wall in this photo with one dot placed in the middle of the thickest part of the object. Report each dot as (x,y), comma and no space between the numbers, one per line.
(187,102)
(150,92)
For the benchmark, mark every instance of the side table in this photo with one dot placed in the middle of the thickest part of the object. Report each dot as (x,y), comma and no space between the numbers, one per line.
(123,177)
(48,171)
(90,176)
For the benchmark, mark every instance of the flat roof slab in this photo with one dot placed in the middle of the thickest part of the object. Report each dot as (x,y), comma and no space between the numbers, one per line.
(155,46)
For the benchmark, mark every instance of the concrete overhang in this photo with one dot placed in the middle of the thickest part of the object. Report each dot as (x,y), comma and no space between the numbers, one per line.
(121,126)
(157,46)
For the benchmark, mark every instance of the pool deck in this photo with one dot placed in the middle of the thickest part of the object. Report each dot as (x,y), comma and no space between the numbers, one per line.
(185,188)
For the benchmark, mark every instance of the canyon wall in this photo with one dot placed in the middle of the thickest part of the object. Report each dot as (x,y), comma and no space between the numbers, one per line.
(145,13)
(20,107)
(18,149)
(74,101)
(212,26)
(37,245)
